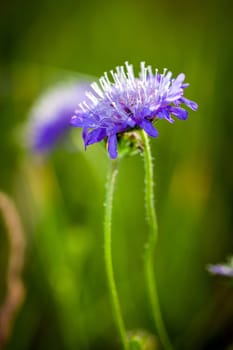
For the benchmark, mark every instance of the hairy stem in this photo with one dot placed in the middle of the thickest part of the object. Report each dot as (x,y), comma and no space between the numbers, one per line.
(151,243)
(108,252)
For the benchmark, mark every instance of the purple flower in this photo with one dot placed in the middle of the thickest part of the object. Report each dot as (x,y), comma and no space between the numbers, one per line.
(50,116)
(222,269)
(129,103)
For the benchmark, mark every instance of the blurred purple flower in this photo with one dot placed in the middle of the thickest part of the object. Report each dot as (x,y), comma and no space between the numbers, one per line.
(50,116)
(222,269)
(130,103)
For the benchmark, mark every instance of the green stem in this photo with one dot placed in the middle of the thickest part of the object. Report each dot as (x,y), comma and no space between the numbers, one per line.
(151,243)
(108,253)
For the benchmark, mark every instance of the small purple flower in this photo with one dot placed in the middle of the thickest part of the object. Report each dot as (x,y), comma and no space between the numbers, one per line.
(50,116)
(222,269)
(128,103)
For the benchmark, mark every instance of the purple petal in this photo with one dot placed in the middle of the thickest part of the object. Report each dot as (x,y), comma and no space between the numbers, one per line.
(191,104)
(84,135)
(164,114)
(76,121)
(112,146)
(149,128)
(176,89)
(179,80)
(145,112)
(131,122)
(94,136)
(179,113)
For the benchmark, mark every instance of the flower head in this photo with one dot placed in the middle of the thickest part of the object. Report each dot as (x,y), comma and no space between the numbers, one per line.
(50,116)
(222,269)
(128,102)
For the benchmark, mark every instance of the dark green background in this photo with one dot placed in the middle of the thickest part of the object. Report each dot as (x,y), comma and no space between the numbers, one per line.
(61,198)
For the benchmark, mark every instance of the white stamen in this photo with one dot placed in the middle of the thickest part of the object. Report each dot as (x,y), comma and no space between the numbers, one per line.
(143,73)
(130,72)
(92,97)
(85,105)
(149,70)
(82,108)
(104,84)
(97,89)
(107,79)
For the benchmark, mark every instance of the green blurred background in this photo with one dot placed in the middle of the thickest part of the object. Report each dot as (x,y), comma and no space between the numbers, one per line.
(60,198)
